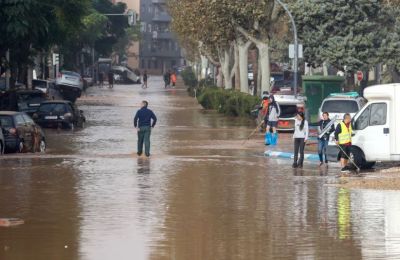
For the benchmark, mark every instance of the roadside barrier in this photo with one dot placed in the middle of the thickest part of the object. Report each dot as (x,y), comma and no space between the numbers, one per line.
(284,155)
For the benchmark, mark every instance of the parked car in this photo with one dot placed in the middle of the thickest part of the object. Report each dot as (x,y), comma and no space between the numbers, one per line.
(288,105)
(338,104)
(21,134)
(70,85)
(2,142)
(126,75)
(59,114)
(19,100)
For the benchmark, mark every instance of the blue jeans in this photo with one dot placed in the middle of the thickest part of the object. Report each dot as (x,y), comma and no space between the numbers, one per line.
(322,145)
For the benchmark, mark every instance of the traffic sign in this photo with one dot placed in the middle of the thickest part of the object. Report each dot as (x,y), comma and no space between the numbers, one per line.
(56,59)
(300,51)
(360,75)
(132,17)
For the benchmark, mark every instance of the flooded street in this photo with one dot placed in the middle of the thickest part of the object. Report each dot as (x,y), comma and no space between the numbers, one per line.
(202,195)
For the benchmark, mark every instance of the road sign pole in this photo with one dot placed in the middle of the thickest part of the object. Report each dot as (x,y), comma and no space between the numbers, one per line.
(296,47)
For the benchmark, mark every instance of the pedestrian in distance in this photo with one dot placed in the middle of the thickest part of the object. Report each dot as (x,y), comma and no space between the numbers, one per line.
(101,79)
(263,110)
(300,137)
(145,78)
(110,79)
(272,119)
(324,140)
(173,79)
(343,134)
(144,121)
(167,79)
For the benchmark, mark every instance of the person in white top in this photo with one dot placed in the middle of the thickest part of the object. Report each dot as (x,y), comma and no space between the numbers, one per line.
(300,137)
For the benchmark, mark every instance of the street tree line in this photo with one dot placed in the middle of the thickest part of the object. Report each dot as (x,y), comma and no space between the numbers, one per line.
(36,28)
(349,35)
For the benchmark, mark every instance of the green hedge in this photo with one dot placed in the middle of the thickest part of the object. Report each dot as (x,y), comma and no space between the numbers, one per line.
(229,102)
(189,78)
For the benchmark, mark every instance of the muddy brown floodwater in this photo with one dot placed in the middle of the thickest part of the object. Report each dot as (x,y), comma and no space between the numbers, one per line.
(202,195)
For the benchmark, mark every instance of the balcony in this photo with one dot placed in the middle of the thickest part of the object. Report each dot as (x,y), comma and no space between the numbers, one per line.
(162,35)
(162,17)
(159,2)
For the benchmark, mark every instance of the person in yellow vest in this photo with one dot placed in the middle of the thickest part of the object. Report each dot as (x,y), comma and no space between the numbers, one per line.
(343,139)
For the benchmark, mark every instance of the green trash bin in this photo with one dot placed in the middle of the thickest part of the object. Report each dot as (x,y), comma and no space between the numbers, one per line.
(317,88)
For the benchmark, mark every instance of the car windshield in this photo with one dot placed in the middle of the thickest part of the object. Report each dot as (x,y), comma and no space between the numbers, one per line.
(288,111)
(71,73)
(6,122)
(39,84)
(52,108)
(340,106)
(27,100)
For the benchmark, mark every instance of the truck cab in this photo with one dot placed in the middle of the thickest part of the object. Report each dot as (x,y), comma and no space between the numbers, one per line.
(376,127)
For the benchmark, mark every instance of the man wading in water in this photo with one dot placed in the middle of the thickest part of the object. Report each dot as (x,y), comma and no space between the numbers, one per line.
(144,120)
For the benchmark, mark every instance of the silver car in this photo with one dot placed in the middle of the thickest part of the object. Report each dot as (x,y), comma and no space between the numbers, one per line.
(70,85)
(70,78)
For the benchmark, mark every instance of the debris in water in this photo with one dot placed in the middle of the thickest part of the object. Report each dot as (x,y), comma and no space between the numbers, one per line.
(10,222)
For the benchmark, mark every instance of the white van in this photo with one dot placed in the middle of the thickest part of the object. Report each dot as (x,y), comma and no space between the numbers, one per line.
(338,104)
(376,127)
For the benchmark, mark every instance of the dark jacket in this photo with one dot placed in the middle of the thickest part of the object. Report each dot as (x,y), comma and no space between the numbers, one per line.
(322,125)
(144,117)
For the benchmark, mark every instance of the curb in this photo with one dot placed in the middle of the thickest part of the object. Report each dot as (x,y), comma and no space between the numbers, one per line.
(307,157)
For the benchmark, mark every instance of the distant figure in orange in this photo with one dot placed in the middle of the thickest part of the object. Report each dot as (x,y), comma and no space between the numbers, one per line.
(173,78)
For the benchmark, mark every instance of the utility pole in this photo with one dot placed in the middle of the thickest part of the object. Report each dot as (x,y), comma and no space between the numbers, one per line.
(8,70)
(296,47)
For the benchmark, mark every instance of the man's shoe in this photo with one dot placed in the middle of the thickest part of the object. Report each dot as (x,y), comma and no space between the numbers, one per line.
(147,155)
(345,170)
(321,164)
(139,154)
(294,165)
(300,166)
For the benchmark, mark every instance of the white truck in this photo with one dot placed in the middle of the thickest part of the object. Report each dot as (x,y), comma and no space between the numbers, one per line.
(376,127)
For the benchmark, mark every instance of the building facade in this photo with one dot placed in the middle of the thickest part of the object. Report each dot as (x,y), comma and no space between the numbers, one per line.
(159,50)
(133,60)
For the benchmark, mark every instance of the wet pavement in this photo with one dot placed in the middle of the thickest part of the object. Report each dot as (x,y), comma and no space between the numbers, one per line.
(203,194)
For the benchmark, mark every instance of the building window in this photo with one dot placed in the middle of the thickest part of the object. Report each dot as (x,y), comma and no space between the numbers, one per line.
(143,27)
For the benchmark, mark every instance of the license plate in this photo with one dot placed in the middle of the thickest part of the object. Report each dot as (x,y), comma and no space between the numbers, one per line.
(51,117)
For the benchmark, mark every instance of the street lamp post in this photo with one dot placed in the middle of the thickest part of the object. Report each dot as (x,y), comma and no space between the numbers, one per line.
(296,46)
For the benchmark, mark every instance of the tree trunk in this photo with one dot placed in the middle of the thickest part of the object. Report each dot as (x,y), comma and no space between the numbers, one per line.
(225,61)
(259,77)
(204,66)
(243,48)
(220,82)
(236,70)
(263,49)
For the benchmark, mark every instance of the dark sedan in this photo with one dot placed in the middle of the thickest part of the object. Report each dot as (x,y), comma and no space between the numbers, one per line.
(21,134)
(59,114)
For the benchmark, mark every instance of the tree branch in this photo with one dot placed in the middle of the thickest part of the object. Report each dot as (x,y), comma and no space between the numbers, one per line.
(247,35)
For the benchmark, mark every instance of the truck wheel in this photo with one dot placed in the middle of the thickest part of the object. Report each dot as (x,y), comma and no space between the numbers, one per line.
(369,165)
(357,156)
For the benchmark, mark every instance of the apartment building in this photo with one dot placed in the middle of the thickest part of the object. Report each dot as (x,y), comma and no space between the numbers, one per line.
(159,50)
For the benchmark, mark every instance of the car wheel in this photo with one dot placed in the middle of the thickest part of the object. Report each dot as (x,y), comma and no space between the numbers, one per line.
(42,146)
